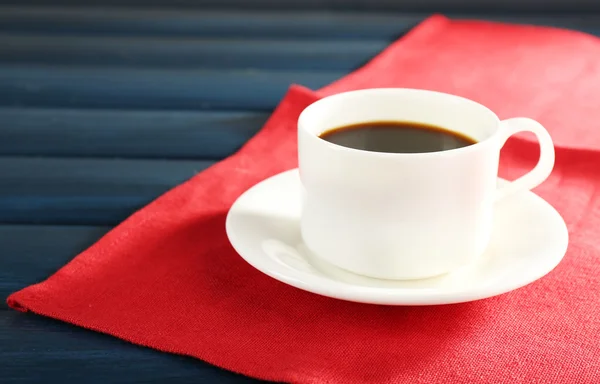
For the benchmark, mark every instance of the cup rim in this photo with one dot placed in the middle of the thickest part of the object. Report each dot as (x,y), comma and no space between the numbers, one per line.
(448,152)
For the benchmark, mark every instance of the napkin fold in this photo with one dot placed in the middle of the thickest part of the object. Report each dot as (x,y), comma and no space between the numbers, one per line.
(168,279)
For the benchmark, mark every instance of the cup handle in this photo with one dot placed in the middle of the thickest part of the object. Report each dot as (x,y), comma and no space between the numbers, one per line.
(545,164)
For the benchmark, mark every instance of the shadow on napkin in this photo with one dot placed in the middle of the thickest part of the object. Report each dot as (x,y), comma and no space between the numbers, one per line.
(167,277)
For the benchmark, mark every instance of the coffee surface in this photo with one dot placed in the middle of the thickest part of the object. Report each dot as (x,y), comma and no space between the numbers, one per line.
(396,137)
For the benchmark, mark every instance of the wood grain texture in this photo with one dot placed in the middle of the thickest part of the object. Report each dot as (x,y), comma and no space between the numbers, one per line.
(303,25)
(85,191)
(198,89)
(209,53)
(353,5)
(31,253)
(102,110)
(36,349)
(40,350)
(151,134)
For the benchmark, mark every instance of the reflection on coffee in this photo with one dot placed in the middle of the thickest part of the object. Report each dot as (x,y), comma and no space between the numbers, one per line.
(396,137)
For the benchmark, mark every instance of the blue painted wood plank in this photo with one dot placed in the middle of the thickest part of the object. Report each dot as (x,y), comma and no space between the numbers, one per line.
(64,86)
(104,191)
(41,350)
(125,133)
(38,349)
(207,23)
(317,25)
(348,5)
(188,52)
(85,191)
(31,253)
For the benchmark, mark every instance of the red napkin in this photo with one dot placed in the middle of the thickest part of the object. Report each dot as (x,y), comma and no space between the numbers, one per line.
(167,277)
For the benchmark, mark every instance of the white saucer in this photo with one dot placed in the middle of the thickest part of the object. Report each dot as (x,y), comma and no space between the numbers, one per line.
(530,238)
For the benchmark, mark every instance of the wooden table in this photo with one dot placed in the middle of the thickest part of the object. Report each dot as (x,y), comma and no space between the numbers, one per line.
(103,110)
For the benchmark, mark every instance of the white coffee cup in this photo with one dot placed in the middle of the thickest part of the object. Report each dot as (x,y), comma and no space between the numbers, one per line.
(406,215)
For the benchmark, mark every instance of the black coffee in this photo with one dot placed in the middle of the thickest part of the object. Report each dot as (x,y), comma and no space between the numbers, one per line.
(396,137)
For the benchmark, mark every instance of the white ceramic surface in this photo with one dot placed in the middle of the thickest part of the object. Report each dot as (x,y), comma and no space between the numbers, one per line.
(529,238)
(405,215)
